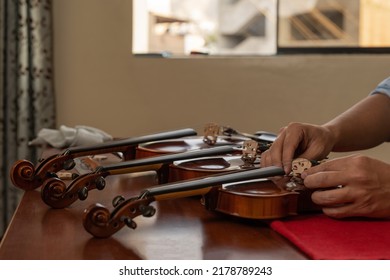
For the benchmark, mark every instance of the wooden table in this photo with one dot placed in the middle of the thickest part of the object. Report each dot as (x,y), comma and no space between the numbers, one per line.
(181,229)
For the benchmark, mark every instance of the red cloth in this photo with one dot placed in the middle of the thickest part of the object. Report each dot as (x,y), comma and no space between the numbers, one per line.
(324,238)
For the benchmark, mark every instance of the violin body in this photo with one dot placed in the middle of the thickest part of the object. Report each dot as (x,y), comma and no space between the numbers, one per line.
(208,166)
(261,199)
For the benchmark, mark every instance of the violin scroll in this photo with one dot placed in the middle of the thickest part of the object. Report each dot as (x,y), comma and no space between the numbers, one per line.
(53,190)
(96,219)
(22,174)
(26,176)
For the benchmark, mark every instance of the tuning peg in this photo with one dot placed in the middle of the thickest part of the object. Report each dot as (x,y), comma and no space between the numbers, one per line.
(117,200)
(147,211)
(69,164)
(100,183)
(52,175)
(129,222)
(83,193)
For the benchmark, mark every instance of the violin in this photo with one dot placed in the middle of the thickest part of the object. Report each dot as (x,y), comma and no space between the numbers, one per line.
(57,194)
(214,135)
(255,193)
(26,176)
(264,201)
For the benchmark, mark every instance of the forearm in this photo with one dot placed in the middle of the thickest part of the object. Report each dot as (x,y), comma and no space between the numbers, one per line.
(365,125)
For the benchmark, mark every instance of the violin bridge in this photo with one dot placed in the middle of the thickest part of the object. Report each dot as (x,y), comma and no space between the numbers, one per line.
(249,152)
(211,132)
(299,165)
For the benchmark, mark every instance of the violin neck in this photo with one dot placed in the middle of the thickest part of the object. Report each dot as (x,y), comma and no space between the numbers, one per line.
(112,146)
(202,185)
(126,166)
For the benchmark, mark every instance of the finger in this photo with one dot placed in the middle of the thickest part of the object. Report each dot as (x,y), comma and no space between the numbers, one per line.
(276,150)
(345,210)
(290,146)
(287,156)
(265,159)
(326,179)
(338,164)
(268,155)
(339,212)
(333,197)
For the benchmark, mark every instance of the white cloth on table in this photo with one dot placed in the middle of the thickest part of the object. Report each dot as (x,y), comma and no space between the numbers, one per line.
(69,137)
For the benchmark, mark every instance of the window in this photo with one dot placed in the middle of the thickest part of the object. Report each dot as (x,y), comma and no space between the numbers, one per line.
(260,27)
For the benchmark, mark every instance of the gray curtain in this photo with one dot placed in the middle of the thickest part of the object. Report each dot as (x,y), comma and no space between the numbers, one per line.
(27,101)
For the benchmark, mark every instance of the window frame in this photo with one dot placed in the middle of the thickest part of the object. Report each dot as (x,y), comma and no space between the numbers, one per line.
(279,50)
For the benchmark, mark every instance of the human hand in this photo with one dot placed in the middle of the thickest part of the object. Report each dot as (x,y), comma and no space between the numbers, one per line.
(363,187)
(302,140)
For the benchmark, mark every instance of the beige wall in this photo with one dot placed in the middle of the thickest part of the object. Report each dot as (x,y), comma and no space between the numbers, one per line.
(99,83)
